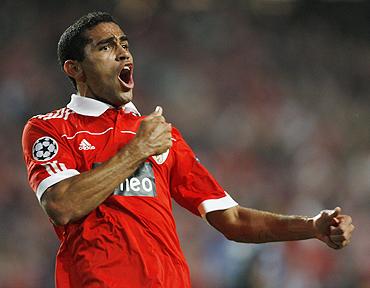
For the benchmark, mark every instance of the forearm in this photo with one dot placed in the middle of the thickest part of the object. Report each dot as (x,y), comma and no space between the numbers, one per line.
(253,226)
(269,227)
(77,196)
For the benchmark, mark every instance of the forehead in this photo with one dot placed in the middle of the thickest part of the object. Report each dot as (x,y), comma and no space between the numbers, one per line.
(103,31)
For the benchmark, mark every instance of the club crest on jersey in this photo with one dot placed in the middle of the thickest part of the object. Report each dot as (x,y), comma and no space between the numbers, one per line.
(161,158)
(44,149)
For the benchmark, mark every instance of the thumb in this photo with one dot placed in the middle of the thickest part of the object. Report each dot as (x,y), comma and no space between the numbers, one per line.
(334,213)
(158,111)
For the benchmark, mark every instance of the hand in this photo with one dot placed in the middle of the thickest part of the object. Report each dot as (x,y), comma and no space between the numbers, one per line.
(332,228)
(154,134)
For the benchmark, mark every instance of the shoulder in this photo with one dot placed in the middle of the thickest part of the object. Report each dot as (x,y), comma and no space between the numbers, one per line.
(50,123)
(62,113)
(56,118)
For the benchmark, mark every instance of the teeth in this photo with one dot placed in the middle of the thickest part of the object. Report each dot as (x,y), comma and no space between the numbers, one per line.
(126,68)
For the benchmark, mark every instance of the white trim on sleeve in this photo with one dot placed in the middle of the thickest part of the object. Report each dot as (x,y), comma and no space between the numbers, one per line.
(216,204)
(50,181)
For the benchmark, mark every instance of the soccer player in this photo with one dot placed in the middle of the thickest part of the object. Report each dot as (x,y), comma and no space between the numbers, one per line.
(105,177)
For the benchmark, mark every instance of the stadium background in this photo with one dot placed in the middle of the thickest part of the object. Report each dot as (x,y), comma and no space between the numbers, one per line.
(273,96)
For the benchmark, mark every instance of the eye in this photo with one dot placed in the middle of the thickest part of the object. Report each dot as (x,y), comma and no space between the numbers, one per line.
(104,48)
(125,46)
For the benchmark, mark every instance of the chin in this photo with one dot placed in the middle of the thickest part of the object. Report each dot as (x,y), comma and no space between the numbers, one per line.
(125,98)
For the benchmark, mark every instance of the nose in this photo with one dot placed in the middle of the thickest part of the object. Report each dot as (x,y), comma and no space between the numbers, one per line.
(122,53)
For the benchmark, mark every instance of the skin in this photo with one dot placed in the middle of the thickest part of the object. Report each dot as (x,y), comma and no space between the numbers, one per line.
(252,226)
(105,56)
(97,77)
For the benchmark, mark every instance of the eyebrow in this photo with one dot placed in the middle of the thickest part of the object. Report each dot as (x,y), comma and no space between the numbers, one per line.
(110,39)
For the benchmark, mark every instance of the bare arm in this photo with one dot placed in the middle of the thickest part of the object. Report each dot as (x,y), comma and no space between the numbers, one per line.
(77,196)
(253,226)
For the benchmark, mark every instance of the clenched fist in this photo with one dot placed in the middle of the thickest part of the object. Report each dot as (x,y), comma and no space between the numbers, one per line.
(333,228)
(154,135)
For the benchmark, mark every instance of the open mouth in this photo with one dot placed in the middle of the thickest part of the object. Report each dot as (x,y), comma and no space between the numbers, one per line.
(126,77)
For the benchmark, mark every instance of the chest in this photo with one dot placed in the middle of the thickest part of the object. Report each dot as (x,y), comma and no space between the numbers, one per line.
(96,139)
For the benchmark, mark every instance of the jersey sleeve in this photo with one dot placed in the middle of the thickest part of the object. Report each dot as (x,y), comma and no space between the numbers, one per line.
(192,186)
(48,158)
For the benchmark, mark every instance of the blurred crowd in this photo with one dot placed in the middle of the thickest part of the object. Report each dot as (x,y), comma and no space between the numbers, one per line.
(273,97)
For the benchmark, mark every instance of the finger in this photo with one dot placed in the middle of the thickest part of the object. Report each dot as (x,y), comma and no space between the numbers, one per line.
(342,228)
(169,128)
(335,230)
(341,235)
(345,220)
(340,241)
(329,242)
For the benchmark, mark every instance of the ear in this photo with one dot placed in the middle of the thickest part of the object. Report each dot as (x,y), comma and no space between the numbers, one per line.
(73,69)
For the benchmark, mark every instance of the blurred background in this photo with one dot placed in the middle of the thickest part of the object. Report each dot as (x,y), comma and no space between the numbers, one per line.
(273,97)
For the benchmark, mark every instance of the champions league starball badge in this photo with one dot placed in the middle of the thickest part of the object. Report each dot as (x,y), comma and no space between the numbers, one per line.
(44,149)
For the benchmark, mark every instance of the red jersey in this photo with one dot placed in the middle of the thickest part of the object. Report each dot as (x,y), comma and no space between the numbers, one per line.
(129,240)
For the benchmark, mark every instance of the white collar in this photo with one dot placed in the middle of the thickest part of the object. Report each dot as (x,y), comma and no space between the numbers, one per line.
(91,107)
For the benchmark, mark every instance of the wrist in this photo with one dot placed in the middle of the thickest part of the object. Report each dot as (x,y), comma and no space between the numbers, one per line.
(135,151)
(312,226)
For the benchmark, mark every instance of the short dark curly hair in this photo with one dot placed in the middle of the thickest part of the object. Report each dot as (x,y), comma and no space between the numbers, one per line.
(72,43)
